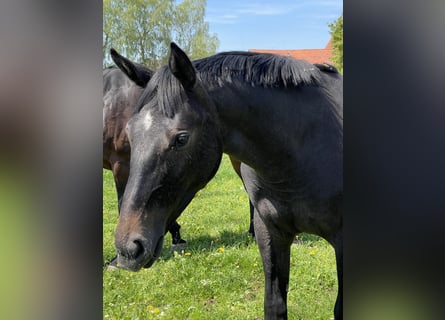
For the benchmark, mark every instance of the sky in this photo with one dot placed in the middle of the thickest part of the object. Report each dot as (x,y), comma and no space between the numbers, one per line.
(268,24)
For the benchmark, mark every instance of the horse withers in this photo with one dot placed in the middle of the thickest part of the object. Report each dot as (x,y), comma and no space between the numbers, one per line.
(282,118)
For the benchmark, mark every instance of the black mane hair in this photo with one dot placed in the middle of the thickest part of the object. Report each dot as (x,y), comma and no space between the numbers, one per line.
(164,91)
(258,69)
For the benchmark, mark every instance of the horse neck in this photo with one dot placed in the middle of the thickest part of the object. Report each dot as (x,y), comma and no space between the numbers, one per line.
(275,127)
(248,133)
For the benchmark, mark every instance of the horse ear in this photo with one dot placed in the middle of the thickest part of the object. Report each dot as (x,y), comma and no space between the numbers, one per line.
(181,67)
(138,73)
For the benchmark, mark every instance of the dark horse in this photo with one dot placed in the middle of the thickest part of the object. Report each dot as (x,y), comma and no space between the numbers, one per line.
(282,118)
(120,95)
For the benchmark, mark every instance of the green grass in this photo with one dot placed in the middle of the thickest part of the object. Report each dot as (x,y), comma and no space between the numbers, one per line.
(219,274)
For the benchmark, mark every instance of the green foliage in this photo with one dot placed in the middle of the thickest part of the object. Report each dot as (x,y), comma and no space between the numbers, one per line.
(192,32)
(337,42)
(219,274)
(143,29)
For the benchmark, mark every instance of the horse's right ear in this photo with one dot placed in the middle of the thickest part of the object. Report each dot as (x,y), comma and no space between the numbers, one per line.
(138,73)
(181,66)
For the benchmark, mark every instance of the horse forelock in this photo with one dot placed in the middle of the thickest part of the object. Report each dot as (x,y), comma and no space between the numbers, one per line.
(257,69)
(164,93)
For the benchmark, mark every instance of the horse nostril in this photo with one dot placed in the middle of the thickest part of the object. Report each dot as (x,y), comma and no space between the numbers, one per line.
(135,249)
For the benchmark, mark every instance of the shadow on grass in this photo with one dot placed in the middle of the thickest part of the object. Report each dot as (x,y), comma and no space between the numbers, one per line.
(226,239)
(207,243)
(204,243)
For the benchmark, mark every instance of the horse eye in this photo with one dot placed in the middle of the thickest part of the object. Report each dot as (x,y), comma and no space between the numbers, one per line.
(181,140)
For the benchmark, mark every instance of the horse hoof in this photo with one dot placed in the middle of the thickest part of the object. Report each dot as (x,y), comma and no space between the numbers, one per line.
(178,246)
(180,241)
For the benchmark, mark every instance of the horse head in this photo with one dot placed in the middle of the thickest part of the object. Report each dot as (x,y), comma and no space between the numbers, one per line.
(175,150)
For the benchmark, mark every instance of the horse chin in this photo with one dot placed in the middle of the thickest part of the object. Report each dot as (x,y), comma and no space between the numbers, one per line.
(156,254)
(143,261)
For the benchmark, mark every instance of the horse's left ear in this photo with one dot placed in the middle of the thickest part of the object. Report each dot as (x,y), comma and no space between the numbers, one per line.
(181,67)
(138,73)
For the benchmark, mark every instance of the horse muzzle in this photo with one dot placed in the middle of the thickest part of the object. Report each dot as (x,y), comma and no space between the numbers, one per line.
(137,252)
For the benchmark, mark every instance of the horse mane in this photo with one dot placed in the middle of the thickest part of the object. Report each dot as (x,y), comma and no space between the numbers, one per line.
(165,92)
(107,70)
(257,69)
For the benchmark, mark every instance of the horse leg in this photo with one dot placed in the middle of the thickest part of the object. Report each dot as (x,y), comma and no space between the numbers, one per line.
(236,164)
(176,236)
(251,227)
(275,254)
(338,310)
(121,172)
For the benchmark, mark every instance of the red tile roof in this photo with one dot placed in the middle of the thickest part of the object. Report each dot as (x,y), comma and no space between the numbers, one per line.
(310,55)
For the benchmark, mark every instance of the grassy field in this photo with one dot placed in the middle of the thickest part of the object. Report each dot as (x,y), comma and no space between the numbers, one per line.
(218,275)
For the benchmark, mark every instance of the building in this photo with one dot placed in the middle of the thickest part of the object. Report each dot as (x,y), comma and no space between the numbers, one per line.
(310,55)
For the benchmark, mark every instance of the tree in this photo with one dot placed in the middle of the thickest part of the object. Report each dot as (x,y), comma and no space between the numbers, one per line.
(143,29)
(192,31)
(337,42)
